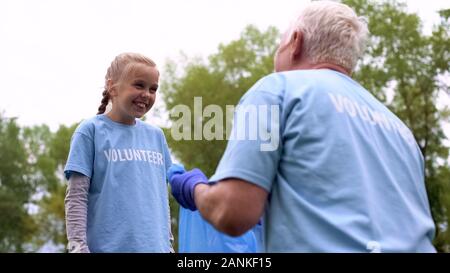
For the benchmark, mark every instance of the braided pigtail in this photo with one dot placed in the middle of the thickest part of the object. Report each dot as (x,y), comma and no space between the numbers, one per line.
(104,103)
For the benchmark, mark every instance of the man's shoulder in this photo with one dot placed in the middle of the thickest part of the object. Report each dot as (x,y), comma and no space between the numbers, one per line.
(313,77)
(273,83)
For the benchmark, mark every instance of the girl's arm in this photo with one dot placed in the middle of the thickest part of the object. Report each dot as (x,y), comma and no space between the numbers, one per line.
(76,202)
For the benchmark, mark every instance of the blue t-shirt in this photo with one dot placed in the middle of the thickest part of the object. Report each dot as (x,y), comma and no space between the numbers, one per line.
(343,172)
(128,208)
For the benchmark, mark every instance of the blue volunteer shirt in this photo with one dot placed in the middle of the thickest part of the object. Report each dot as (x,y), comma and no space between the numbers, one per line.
(343,172)
(128,207)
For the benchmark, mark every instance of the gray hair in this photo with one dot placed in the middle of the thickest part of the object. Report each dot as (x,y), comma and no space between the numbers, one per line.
(332,32)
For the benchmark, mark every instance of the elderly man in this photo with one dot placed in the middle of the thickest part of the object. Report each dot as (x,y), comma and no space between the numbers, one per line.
(346,174)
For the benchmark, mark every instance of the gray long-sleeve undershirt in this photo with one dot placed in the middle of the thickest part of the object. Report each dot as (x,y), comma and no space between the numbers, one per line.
(76,204)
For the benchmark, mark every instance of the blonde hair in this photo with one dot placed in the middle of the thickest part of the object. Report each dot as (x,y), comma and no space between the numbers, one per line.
(332,32)
(120,69)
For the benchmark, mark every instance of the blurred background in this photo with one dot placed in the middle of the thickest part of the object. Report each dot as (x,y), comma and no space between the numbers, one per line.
(54,56)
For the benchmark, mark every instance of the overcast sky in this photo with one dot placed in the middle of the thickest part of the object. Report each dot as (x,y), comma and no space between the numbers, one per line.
(54,54)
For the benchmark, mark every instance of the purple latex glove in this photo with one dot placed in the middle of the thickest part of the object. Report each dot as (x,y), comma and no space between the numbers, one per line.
(175,169)
(183,183)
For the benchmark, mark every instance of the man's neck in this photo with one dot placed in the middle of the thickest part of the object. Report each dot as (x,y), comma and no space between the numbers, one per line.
(307,65)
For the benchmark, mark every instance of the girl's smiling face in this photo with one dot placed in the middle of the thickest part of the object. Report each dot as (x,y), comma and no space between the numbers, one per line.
(134,95)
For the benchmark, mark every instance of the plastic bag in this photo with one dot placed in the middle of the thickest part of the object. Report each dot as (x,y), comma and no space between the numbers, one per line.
(197,235)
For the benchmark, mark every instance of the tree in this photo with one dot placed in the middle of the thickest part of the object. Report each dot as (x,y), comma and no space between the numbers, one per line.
(406,70)
(31,191)
(16,188)
(221,81)
(51,214)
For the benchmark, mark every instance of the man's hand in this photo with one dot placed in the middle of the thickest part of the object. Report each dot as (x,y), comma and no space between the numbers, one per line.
(183,183)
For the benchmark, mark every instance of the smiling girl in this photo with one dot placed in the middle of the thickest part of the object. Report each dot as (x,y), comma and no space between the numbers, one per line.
(116,199)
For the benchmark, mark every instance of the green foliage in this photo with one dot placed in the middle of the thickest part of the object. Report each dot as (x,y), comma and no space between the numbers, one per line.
(16,188)
(174,212)
(51,214)
(31,177)
(221,81)
(51,219)
(41,164)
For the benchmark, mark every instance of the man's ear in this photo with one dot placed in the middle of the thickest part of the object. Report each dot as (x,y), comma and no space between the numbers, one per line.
(296,42)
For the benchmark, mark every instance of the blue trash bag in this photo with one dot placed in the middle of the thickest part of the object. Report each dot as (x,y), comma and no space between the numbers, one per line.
(197,235)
